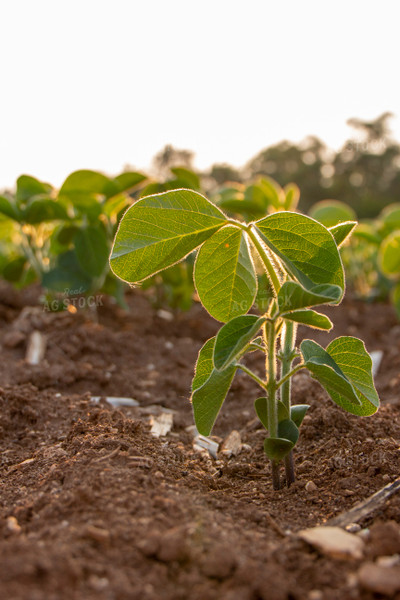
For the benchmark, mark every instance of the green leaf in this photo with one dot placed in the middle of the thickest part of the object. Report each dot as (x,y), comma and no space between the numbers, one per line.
(311,318)
(367,231)
(85,203)
(277,448)
(332,212)
(395,297)
(128,180)
(292,196)
(233,338)
(14,269)
(288,430)
(293,296)
(158,231)
(273,192)
(224,274)
(209,389)
(263,407)
(9,209)
(390,217)
(306,248)
(92,250)
(84,181)
(67,275)
(28,186)
(298,412)
(345,371)
(188,178)
(41,209)
(342,231)
(389,255)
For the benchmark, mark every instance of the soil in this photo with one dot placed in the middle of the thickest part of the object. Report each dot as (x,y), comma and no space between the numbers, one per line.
(94,506)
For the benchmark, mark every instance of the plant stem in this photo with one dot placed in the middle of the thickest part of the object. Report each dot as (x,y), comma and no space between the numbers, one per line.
(290,374)
(265,258)
(287,346)
(270,342)
(249,372)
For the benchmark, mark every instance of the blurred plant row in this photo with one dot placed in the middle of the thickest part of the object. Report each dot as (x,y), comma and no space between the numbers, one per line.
(62,238)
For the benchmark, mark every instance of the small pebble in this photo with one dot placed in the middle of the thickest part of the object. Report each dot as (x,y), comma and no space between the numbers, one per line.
(315,595)
(232,445)
(353,527)
(165,314)
(388,561)
(379,580)
(12,525)
(311,487)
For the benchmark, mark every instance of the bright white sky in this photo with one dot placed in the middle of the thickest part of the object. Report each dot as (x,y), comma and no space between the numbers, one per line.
(103,83)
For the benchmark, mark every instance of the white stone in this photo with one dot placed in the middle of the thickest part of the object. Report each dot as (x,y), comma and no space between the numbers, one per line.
(334,542)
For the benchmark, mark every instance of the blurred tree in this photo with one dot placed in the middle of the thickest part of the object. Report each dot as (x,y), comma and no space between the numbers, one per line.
(365,173)
(367,168)
(171,157)
(222,173)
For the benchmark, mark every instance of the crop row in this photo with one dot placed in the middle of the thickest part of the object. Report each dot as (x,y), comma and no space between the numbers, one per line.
(62,237)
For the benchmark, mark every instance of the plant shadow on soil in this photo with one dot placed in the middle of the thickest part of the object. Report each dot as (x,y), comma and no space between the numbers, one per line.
(94,507)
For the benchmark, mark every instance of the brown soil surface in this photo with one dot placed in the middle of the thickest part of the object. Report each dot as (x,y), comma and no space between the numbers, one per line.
(93,506)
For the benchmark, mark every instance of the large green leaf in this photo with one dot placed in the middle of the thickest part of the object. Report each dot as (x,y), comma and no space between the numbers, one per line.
(92,250)
(293,296)
(311,318)
(209,388)
(389,255)
(158,231)
(224,274)
(306,248)
(345,371)
(233,338)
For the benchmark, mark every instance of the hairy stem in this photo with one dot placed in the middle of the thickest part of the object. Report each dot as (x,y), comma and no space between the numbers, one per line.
(249,372)
(287,346)
(269,334)
(265,259)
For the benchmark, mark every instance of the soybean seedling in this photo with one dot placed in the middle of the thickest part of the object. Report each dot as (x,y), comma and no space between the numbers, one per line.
(301,260)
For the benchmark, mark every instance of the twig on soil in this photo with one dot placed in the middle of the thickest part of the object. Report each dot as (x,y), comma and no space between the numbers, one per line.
(366,507)
(107,456)
(13,468)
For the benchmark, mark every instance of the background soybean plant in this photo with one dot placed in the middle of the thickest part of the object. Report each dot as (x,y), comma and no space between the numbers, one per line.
(62,238)
(301,261)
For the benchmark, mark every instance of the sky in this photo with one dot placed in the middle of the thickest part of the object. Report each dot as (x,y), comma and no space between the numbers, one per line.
(101,84)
